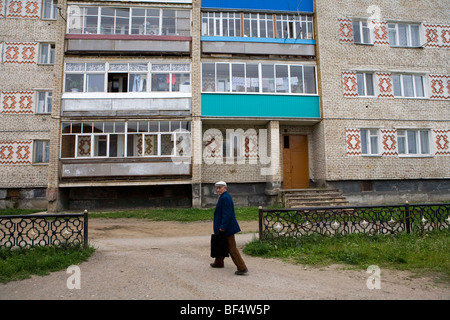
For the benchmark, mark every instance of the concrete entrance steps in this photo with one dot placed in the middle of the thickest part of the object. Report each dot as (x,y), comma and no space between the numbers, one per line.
(294,198)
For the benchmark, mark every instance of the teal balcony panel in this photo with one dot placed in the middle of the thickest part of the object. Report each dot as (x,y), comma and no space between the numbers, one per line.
(260,105)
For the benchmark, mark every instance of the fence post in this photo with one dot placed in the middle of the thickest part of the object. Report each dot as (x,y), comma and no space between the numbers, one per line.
(85,235)
(407,217)
(260,214)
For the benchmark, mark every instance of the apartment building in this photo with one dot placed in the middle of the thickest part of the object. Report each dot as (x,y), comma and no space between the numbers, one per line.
(145,103)
(28,36)
(384,85)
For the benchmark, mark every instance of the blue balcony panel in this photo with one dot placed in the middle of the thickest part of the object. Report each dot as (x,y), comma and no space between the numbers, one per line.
(260,106)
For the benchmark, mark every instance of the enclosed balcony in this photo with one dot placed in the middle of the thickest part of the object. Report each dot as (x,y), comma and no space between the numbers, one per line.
(128,30)
(126,89)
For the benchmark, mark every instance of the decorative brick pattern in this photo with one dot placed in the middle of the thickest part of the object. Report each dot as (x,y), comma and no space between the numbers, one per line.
(439,87)
(380,32)
(213,146)
(350,84)
(353,140)
(345,31)
(16,152)
(442,142)
(20,52)
(2,9)
(27,9)
(251,145)
(385,85)
(437,36)
(17,102)
(389,142)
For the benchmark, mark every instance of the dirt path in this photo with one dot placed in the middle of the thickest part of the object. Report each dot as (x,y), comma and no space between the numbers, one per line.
(139,259)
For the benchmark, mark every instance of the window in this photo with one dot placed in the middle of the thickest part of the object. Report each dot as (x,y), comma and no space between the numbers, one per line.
(125,139)
(294,26)
(41,151)
(44,102)
(408,85)
(258,25)
(127,77)
(361,32)
(47,53)
(258,78)
(50,8)
(404,35)
(365,84)
(413,142)
(369,141)
(136,21)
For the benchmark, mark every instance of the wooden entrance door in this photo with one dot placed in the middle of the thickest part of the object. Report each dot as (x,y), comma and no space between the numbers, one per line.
(295,162)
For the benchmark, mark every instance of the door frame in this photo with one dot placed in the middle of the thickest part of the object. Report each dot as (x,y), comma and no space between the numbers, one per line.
(283,158)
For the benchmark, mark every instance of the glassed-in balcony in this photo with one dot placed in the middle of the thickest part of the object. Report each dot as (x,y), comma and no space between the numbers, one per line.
(126,89)
(130,30)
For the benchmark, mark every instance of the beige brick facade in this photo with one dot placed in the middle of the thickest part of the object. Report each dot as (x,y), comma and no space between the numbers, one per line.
(343,110)
(337,153)
(23,31)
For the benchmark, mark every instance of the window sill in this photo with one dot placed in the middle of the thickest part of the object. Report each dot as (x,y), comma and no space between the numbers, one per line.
(415,156)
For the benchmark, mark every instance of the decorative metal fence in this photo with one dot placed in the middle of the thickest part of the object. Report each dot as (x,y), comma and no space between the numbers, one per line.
(329,221)
(43,230)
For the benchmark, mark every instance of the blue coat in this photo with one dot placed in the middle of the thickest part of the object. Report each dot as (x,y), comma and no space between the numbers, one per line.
(224,216)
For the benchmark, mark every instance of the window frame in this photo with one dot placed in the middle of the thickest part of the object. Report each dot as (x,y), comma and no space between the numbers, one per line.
(368,142)
(365,84)
(80,15)
(149,72)
(393,30)
(402,80)
(213,20)
(50,53)
(46,108)
(44,149)
(53,9)
(402,134)
(122,128)
(261,81)
(361,29)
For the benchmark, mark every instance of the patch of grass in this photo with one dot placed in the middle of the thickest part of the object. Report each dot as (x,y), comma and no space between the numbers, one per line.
(21,263)
(12,211)
(178,214)
(427,253)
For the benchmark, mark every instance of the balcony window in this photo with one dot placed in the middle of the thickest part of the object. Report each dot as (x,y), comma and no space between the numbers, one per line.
(127,77)
(224,24)
(258,78)
(135,21)
(125,139)
(258,25)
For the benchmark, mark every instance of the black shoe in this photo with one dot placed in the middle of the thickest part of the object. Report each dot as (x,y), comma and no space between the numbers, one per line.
(215,265)
(240,273)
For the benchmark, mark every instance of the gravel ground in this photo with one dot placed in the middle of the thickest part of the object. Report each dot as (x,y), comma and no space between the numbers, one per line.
(138,259)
